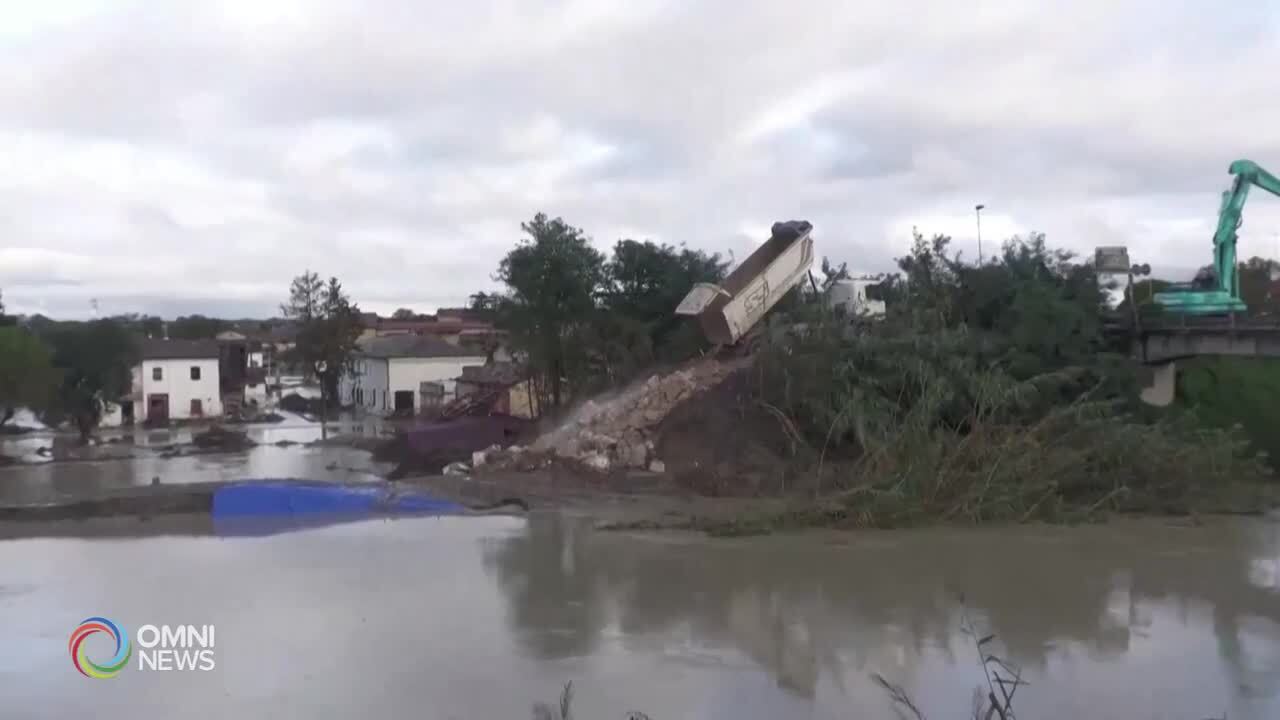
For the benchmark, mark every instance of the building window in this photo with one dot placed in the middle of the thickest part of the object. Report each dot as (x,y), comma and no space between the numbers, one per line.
(195,372)
(157,373)
(359,396)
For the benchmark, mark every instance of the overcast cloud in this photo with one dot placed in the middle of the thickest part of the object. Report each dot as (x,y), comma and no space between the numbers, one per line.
(172,157)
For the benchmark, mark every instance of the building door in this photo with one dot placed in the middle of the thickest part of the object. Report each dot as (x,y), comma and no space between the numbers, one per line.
(158,408)
(197,409)
(404,401)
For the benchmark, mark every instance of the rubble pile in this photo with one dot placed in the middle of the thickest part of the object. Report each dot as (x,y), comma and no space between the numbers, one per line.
(618,431)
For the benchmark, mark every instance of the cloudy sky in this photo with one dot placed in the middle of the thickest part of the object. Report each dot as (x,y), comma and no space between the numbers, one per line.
(172,157)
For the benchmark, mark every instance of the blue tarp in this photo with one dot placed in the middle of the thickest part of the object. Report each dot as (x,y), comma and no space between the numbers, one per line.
(280,498)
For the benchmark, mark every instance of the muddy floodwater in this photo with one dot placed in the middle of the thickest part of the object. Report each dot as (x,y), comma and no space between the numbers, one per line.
(279,453)
(480,617)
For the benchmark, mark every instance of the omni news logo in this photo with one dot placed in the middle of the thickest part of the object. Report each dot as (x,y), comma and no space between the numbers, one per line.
(89,668)
(162,649)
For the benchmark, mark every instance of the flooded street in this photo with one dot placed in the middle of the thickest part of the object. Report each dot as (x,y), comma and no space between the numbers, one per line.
(480,617)
(107,468)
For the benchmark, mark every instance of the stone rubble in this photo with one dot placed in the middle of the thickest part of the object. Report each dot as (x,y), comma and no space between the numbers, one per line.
(618,431)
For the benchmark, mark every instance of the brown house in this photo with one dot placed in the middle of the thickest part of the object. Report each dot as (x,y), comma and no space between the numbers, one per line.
(503,386)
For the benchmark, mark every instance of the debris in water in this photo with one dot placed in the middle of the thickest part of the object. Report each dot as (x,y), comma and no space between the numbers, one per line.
(220,438)
(457,468)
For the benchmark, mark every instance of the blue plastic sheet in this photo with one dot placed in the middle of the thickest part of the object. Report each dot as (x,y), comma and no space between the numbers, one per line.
(281,498)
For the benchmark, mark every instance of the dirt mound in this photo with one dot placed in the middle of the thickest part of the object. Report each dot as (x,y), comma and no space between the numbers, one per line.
(617,431)
(722,442)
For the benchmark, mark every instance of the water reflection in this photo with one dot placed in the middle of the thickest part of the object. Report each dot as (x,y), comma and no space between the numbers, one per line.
(551,580)
(49,482)
(1130,608)
(124,440)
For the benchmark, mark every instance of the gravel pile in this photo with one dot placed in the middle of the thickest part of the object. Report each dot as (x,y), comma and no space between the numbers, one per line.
(618,431)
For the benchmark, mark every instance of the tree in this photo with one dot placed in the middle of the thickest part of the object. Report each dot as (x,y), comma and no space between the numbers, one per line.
(94,359)
(403,314)
(485,306)
(644,282)
(328,326)
(5,320)
(1257,288)
(144,325)
(26,373)
(196,327)
(553,277)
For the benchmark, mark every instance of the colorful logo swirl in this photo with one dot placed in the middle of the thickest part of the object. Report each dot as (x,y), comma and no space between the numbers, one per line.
(87,667)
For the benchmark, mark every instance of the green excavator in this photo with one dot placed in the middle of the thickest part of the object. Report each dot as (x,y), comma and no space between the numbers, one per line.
(1217,290)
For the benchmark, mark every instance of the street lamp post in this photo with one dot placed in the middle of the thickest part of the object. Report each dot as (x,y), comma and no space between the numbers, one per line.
(321,366)
(977,212)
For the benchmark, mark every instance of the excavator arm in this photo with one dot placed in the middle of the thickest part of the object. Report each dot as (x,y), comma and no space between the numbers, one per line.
(1247,174)
(1223,292)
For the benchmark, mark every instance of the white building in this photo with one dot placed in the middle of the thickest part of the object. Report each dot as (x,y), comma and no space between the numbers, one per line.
(176,380)
(390,372)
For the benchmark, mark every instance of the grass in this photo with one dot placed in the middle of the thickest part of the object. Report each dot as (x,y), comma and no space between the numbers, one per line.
(1231,392)
(563,710)
(1003,679)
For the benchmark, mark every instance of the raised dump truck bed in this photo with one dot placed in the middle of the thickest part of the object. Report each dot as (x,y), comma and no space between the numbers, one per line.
(727,311)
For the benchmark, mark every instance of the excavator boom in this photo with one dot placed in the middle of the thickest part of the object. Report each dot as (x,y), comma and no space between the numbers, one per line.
(1225,296)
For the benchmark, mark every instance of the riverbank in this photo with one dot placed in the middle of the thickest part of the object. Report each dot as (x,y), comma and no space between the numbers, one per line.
(636,501)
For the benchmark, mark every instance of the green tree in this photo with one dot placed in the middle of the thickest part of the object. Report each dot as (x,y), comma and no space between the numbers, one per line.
(328,326)
(403,314)
(485,306)
(553,277)
(196,327)
(26,373)
(144,325)
(636,321)
(1259,292)
(94,359)
(5,320)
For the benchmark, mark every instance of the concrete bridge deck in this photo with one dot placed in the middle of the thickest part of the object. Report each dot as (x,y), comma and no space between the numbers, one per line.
(1160,341)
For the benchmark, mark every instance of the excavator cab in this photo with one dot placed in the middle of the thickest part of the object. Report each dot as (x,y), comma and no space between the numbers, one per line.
(1205,279)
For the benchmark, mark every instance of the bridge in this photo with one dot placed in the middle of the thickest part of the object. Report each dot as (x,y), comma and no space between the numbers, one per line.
(1161,341)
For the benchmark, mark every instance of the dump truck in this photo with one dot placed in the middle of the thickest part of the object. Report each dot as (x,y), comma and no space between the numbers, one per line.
(726,312)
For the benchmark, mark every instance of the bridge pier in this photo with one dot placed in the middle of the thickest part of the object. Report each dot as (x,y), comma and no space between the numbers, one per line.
(1164,379)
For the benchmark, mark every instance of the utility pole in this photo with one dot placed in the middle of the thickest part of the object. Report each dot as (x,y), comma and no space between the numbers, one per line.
(977,212)
(321,366)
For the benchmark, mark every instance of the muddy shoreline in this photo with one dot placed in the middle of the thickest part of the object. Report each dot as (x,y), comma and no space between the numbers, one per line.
(642,501)
(620,499)
(635,502)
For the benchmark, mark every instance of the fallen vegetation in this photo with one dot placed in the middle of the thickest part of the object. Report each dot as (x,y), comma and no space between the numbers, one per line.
(988,395)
